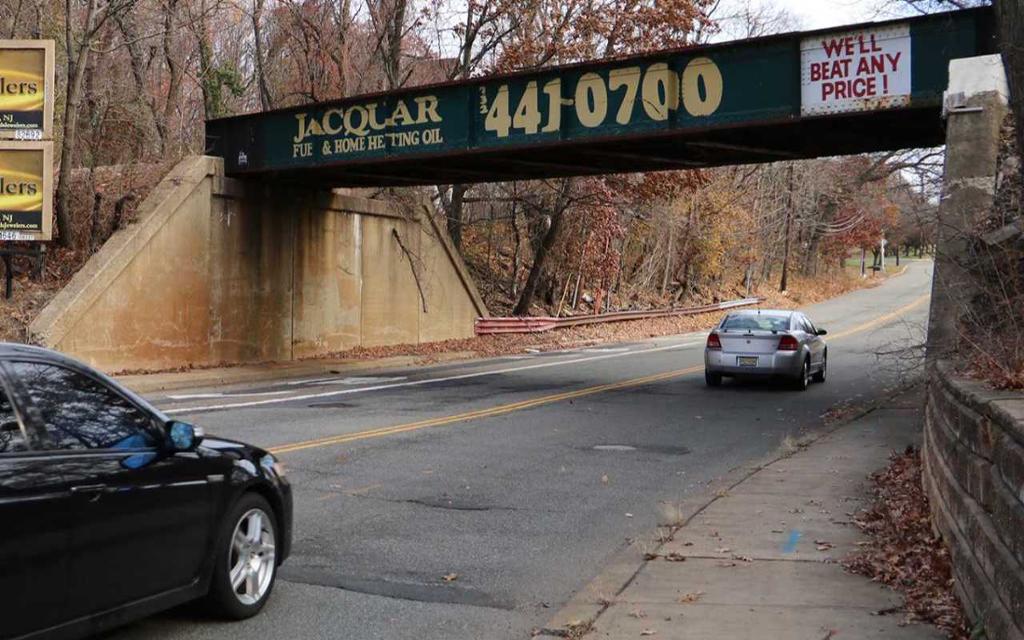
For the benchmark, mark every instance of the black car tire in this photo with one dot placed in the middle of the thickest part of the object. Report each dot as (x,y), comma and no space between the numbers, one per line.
(820,375)
(801,382)
(712,379)
(221,599)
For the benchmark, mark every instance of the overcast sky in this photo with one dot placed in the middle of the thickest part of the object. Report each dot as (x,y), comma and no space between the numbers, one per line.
(816,14)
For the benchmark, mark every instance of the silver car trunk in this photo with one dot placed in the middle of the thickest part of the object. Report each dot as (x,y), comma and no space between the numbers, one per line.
(749,341)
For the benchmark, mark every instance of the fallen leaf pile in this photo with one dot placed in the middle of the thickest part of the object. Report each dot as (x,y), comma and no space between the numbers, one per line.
(903,553)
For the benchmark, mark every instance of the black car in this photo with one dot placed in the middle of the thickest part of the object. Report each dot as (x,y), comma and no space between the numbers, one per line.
(110,511)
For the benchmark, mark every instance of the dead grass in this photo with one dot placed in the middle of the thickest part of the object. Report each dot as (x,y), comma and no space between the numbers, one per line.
(804,291)
(670,514)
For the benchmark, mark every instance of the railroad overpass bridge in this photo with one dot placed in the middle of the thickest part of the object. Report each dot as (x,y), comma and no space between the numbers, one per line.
(853,89)
(267,264)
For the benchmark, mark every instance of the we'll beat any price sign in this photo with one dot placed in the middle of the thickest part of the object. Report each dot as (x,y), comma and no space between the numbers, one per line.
(856,71)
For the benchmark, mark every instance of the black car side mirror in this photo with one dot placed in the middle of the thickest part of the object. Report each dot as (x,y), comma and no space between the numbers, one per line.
(183,436)
(821,332)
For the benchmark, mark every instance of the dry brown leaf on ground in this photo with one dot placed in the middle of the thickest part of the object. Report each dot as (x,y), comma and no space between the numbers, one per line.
(904,553)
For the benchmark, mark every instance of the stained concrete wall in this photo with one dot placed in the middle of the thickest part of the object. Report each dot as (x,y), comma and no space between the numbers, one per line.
(219,271)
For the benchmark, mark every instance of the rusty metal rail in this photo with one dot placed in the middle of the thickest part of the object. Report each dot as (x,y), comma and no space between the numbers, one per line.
(547,323)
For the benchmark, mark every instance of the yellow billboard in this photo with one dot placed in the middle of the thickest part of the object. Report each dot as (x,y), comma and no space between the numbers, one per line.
(26,89)
(26,188)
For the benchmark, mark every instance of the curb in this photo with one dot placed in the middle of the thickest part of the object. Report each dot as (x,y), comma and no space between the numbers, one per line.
(579,615)
(220,376)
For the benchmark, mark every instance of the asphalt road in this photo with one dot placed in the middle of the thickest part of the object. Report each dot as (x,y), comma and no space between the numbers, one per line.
(519,477)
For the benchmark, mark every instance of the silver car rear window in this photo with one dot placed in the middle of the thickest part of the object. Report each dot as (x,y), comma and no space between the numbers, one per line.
(756,322)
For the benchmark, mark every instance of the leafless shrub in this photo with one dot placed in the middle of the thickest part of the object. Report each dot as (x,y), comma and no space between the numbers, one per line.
(903,355)
(991,337)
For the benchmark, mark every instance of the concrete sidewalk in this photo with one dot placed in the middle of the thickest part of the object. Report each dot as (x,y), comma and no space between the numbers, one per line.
(761,559)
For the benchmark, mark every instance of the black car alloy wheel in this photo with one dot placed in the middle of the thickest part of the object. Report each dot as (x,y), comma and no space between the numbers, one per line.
(246,563)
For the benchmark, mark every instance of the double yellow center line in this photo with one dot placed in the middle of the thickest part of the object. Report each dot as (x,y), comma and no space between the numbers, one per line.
(548,399)
(481,413)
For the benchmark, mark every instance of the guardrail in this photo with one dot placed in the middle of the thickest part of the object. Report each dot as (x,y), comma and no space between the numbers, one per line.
(546,323)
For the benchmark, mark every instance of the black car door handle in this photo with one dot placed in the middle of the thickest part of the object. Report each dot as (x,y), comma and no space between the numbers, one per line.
(92,491)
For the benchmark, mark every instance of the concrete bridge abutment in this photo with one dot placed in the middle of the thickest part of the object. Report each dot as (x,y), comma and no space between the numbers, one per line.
(976,105)
(973,450)
(221,271)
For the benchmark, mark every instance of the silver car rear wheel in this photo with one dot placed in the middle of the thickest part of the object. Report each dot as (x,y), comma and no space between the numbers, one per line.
(820,375)
(712,379)
(804,380)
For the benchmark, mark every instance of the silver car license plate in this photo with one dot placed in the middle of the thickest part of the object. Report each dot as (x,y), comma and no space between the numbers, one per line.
(746,361)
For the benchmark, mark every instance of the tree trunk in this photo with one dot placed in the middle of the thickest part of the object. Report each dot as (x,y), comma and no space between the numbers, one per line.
(393,32)
(542,249)
(784,281)
(14,21)
(78,57)
(343,20)
(173,72)
(209,82)
(522,307)
(668,256)
(454,214)
(516,241)
(266,102)
(126,25)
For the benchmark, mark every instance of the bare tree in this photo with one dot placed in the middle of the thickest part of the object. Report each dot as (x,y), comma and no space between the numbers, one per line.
(81,30)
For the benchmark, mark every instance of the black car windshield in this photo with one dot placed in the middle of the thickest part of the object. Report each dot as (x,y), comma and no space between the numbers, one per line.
(756,322)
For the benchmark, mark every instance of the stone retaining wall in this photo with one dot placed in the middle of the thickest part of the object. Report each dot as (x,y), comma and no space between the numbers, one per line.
(974,475)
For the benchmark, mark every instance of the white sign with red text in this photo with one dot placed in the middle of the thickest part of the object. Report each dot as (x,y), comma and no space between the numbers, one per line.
(855,71)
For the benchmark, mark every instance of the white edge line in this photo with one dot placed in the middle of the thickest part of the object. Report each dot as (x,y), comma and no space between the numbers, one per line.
(415,383)
(241,394)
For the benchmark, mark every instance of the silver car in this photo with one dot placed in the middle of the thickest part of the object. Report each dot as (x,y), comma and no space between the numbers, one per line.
(762,342)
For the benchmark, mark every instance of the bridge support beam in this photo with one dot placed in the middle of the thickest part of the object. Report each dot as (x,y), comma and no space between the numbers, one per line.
(975,108)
